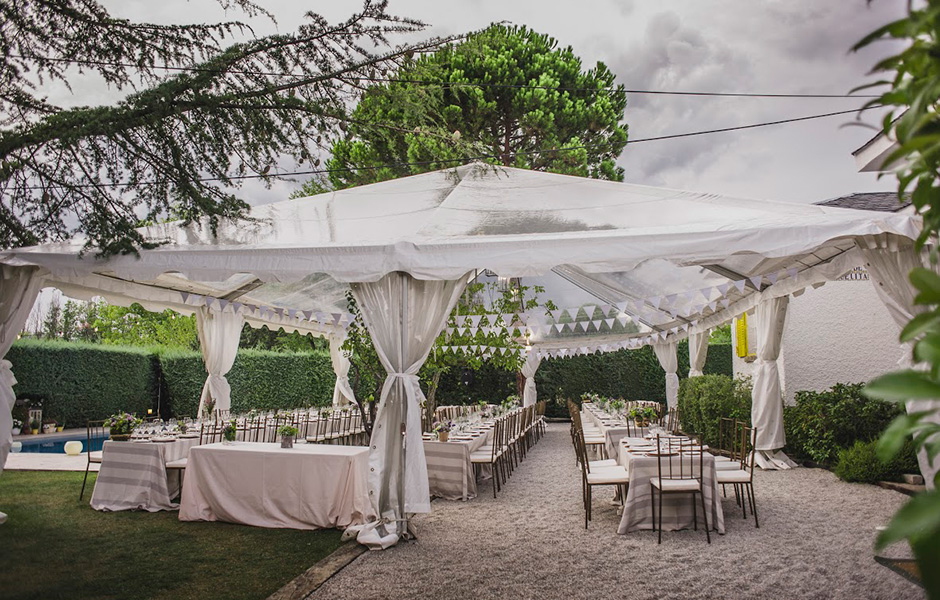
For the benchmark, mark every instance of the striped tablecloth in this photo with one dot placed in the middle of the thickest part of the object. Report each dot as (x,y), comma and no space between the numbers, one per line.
(133,475)
(677,508)
(450,472)
(613,429)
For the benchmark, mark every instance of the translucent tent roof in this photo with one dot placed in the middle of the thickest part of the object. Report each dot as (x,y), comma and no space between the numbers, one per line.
(665,261)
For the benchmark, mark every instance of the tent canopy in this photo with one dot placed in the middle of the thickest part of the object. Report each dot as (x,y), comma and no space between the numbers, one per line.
(671,261)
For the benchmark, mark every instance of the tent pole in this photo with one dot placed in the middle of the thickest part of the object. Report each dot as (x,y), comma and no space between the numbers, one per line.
(403,315)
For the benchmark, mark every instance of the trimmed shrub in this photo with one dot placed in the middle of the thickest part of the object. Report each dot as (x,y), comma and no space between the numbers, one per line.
(859,463)
(260,379)
(821,424)
(704,400)
(77,382)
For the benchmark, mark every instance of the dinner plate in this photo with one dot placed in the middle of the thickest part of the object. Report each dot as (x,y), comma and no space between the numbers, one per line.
(163,439)
(189,435)
(662,453)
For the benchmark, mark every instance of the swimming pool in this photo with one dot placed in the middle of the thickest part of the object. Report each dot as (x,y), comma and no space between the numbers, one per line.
(55,445)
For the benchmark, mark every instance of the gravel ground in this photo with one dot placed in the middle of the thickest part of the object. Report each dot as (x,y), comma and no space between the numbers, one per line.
(815,541)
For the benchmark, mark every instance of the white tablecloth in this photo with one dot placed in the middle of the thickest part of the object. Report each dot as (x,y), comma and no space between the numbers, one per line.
(133,475)
(309,486)
(612,428)
(450,472)
(677,508)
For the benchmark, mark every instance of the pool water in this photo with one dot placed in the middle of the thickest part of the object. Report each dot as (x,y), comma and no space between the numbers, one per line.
(57,445)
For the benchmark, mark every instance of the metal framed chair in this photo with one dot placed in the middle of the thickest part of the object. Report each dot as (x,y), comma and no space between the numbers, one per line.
(614,475)
(679,477)
(743,478)
(95,436)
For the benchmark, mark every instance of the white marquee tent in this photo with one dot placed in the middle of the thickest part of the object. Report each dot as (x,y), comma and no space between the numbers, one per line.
(658,265)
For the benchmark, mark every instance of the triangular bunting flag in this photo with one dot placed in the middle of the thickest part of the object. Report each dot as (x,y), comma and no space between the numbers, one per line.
(756,280)
(740,285)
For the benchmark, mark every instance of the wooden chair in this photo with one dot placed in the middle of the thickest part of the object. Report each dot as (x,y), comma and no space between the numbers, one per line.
(743,479)
(94,440)
(592,477)
(492,454)
(679,477)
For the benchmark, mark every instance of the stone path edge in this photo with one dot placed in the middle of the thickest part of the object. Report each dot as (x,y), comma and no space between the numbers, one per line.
(307,582)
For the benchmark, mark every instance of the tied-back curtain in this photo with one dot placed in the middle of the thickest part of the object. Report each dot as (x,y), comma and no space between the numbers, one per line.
(766,398)
(698,352)
(529,367)
(19,287)
(404,316)
(219,334)
(666,353)
(342,391)
(889,260)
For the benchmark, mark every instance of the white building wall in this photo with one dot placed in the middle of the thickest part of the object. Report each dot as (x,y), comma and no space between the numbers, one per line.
(838,333)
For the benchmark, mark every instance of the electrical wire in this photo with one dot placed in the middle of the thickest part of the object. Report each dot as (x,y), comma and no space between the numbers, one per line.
(456,84)
(470,158)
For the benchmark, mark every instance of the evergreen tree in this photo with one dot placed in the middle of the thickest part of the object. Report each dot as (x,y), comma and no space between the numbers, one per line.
(505,92)
(177,145)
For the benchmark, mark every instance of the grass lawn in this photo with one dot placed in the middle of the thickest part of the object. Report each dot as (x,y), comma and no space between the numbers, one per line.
(54,546)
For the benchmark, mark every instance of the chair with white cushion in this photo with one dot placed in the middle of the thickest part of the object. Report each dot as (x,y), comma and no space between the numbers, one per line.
(743,478)
(682,475)
(594,474)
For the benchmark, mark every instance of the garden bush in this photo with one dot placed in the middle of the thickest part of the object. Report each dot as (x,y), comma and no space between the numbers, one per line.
(77,382)
(821,424)
(704,400)
(860,463)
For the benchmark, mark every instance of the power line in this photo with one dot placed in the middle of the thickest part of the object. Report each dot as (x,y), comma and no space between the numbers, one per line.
(471,158)
(459,84)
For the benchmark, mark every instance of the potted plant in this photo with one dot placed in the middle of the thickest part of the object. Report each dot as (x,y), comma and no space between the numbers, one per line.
(442,429)
(121,426)
(34,426)
(17,425)
(60,427)
(288,433)
(48,426)
(228,434)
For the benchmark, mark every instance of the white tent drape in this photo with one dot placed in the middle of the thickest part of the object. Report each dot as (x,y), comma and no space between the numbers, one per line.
(698,351)
(766,399)
(18,289)
(666,353)
(342,391)
(404,316)
(219,333)
(889,260)
(529,367)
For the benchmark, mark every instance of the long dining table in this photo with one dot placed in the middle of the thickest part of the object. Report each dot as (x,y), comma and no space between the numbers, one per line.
(450,471)
(133,474)
(629,447)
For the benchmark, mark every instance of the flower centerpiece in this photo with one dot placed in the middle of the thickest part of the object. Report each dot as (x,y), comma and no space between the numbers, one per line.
(183,427)
(287,433)
(510,403)
(122,425)
(616,406)
(17,425)
(208,407)
(442,429)
(591,397)
(643,416)
(228,433)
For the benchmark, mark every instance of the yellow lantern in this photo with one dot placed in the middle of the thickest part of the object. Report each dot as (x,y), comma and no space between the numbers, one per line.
(740,328)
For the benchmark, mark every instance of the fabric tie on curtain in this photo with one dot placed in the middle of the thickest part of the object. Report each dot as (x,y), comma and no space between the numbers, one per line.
(889,259)
(404,316)
(19,287)
(529,367)
(698,351)
(342,391)
(666,353)
(219,333)
(766,399)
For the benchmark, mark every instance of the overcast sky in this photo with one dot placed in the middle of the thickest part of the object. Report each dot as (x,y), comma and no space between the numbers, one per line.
(776,46)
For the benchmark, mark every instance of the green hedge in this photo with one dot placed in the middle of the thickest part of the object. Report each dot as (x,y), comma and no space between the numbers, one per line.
(633,374)
(703,401)
(821,424)
(77,382)
(260,379)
